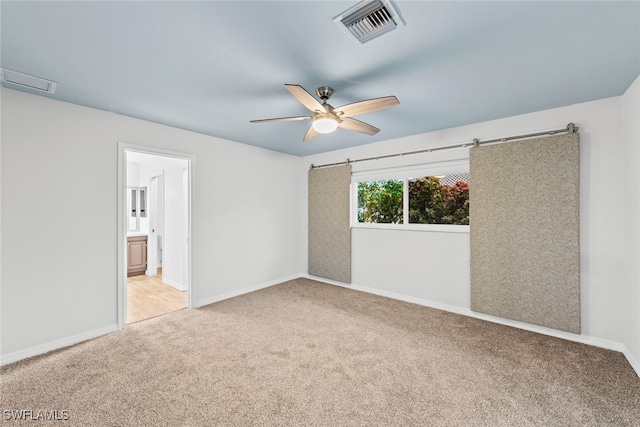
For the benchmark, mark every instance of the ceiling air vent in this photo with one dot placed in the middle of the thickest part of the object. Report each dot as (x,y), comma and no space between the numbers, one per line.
(27,81)
(368,20)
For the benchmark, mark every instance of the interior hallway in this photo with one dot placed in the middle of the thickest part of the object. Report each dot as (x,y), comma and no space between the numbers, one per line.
(148,297)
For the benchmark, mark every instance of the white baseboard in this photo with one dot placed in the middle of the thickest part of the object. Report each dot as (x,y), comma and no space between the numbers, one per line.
(166,281)
(246,290)
(5,359)
(173,284)
(632,359)
(65,342)
(584,339)
(598,342)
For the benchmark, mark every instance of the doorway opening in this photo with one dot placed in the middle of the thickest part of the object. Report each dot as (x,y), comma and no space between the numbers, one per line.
(154,232)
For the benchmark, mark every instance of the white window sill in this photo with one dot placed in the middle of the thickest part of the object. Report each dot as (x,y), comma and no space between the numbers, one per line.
(439,228)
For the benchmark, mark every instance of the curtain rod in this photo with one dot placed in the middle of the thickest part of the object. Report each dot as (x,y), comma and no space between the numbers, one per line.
(571,128)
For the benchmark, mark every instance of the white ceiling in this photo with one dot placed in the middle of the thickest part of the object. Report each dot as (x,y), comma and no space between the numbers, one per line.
(210,67)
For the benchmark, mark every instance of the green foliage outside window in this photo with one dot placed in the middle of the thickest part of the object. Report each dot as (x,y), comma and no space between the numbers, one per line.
(430,202)
(380,201)
(433,203)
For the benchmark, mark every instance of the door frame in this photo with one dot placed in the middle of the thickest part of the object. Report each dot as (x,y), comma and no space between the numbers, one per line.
(124,147)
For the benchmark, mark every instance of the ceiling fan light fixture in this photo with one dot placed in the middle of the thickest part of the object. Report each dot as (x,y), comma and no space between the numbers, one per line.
(324,125)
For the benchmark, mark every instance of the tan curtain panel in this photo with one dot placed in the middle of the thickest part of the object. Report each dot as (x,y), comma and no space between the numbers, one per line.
(524,220)
(329,228)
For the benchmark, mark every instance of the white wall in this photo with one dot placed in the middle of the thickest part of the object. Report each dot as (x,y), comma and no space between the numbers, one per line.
(420,265)
(59,278)
(133,174)
(249,218)
(631,135)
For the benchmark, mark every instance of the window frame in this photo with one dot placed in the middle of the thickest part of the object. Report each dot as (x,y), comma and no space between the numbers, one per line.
(405,174)
(136,206)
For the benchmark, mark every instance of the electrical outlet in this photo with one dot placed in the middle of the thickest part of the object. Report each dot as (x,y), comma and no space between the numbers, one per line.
(225,275)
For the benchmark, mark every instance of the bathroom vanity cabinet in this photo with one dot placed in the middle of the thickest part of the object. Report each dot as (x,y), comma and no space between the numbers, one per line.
(136,255)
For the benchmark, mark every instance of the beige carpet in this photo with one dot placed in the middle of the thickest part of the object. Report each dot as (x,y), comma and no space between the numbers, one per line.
(305,353)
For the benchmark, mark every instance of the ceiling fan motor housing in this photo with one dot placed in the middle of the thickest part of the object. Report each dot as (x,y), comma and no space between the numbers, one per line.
(324,92)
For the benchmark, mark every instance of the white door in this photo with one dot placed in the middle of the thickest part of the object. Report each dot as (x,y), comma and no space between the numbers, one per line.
(156,206)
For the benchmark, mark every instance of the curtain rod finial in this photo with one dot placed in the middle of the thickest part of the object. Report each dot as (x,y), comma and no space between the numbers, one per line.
(476,142)
(572,128)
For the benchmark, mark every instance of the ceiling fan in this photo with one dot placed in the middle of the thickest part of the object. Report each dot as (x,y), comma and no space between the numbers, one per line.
(326,119)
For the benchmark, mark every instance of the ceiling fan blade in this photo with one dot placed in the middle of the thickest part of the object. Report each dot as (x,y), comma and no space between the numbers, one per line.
(282,119)
(305,98)
(367,106)
(311,133)
(358,126)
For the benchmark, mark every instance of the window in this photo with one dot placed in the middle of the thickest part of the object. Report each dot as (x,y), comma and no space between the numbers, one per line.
(439,200)
(137,200)
(414,202)
(381,201)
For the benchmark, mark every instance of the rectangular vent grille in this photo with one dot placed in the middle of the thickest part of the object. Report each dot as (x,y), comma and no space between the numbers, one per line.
(27,81)
(368,20)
